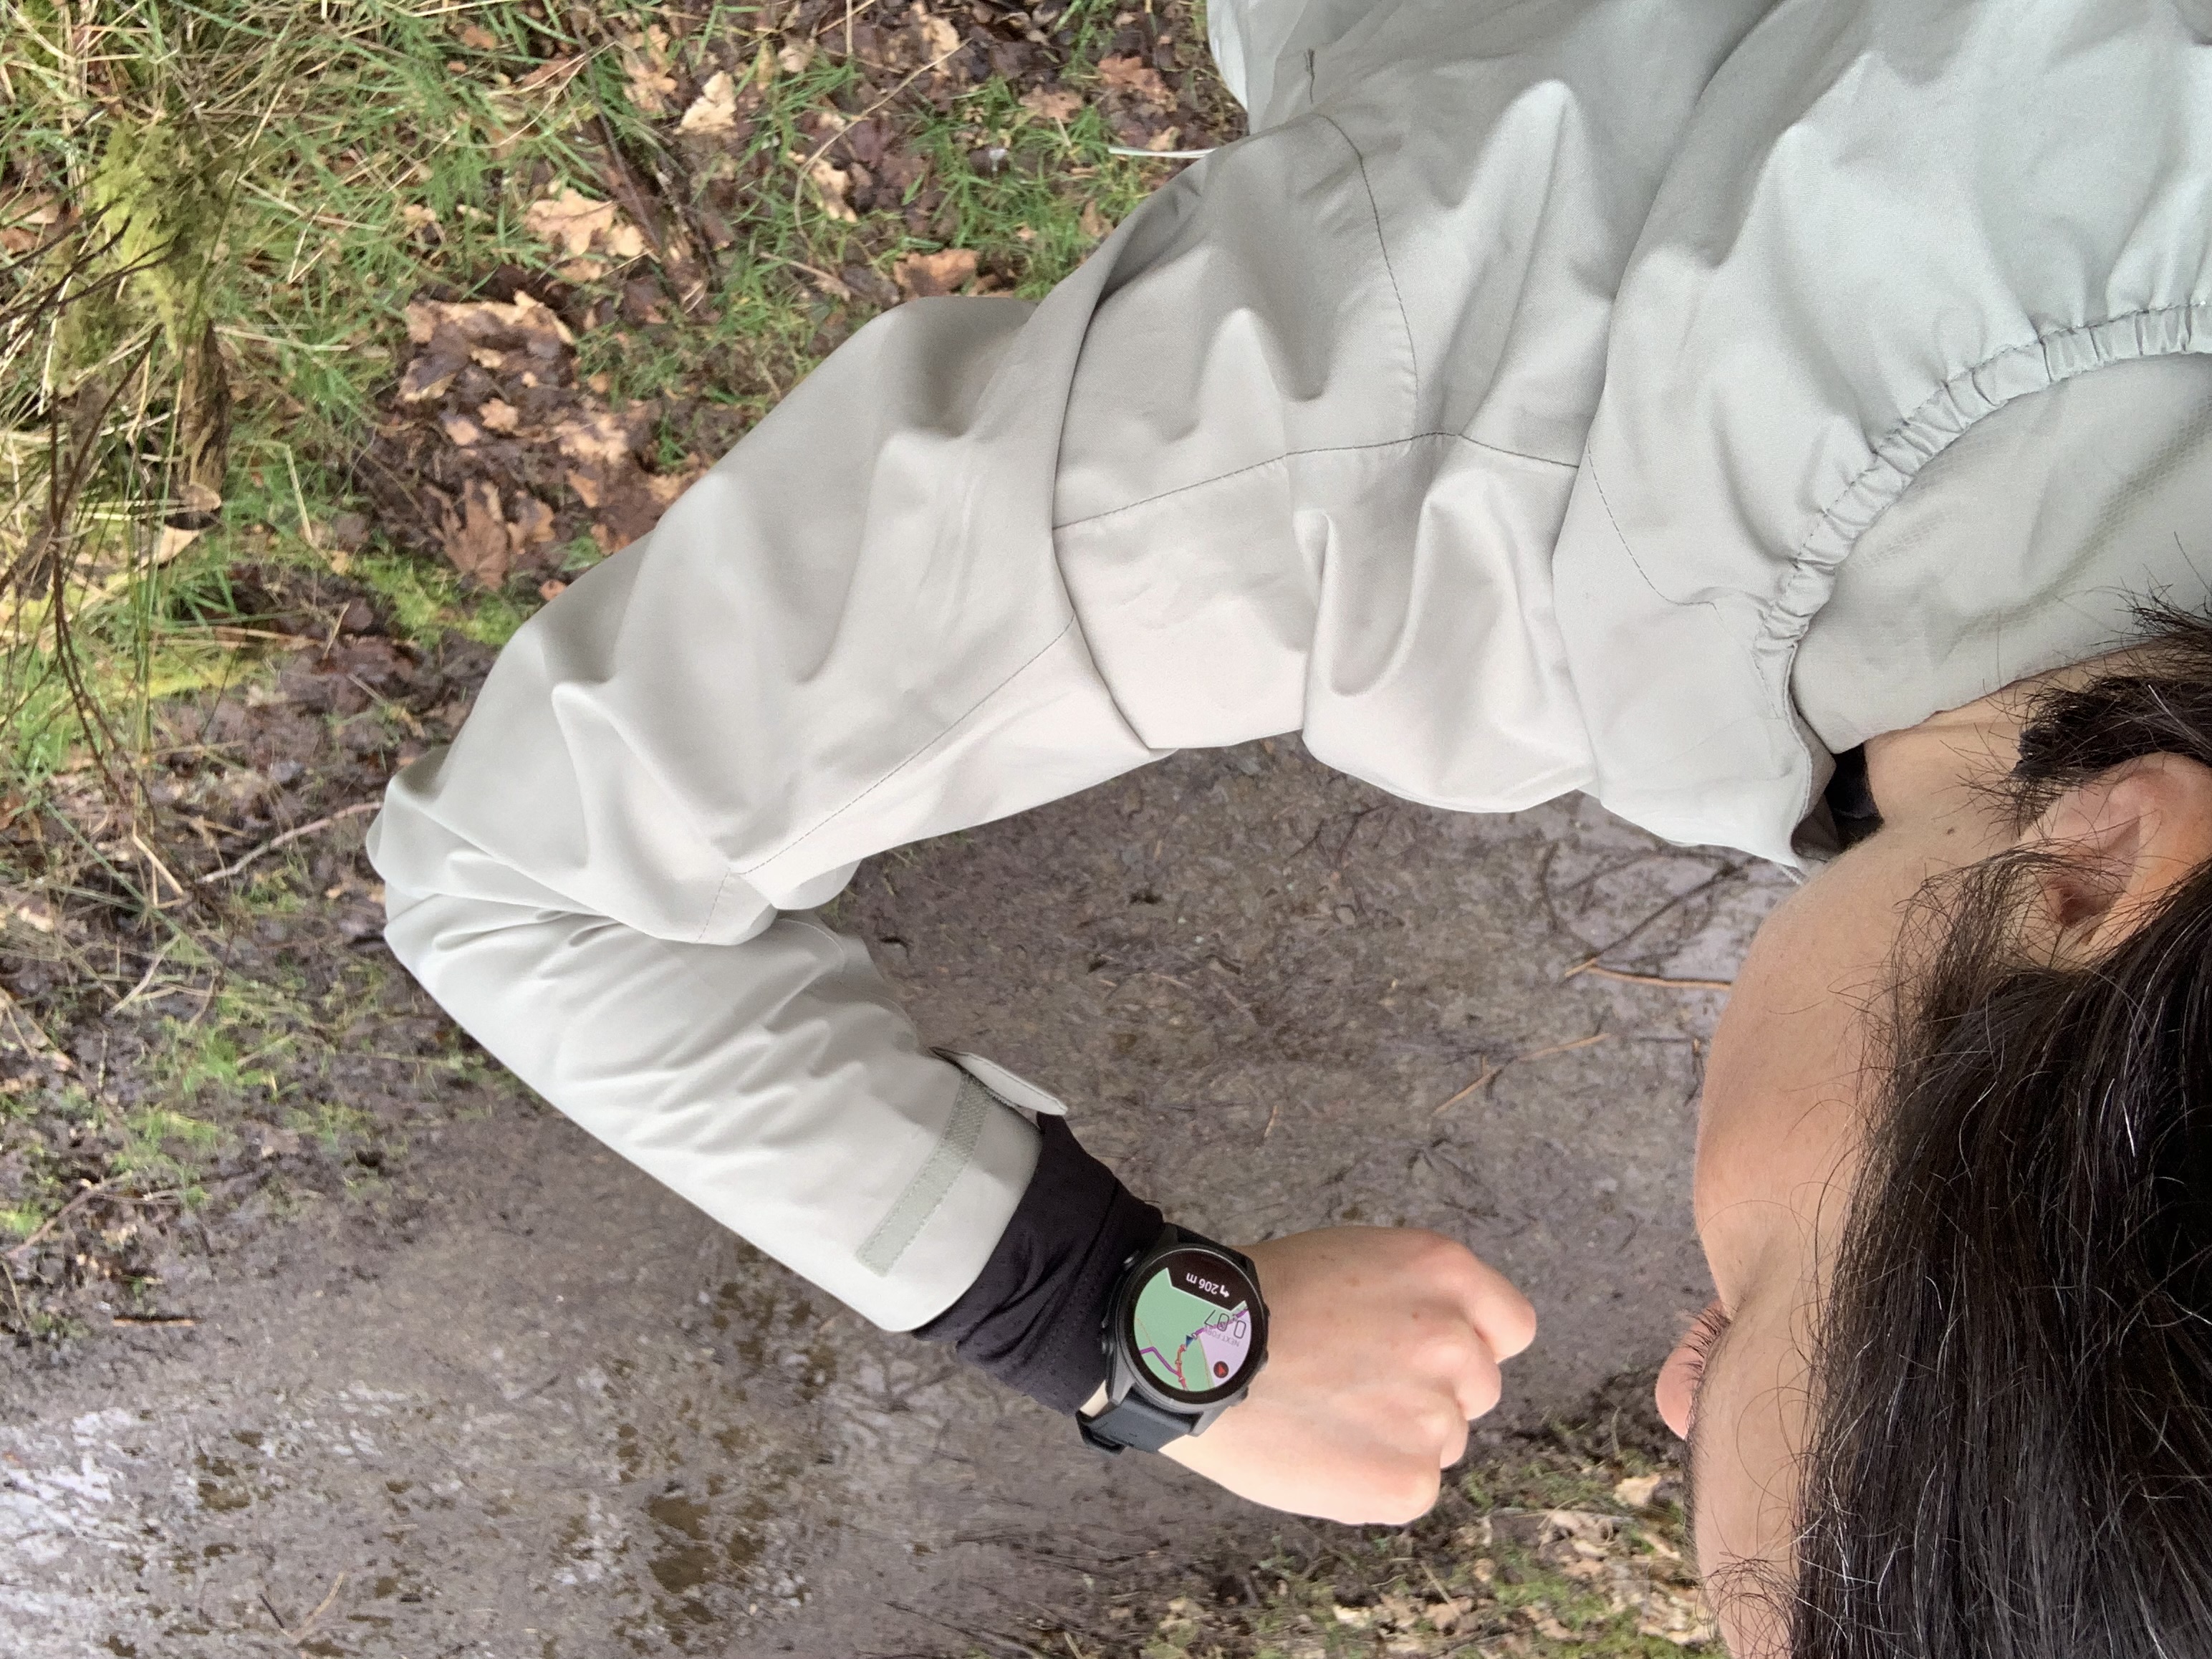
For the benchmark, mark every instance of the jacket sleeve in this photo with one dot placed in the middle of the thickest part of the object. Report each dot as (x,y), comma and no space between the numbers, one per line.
(1240,475)
(851,634)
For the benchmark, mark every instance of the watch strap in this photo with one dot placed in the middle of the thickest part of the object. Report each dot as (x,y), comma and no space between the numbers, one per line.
(1133,1421)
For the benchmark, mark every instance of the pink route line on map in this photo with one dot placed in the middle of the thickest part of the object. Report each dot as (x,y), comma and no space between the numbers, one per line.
(1181,1381)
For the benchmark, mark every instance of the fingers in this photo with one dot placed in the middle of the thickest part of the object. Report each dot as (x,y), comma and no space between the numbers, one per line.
(1499,1311)
(1477,1388)
(1499,1322)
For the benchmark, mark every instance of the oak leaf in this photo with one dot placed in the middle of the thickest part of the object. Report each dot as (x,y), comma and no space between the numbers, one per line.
(577,226)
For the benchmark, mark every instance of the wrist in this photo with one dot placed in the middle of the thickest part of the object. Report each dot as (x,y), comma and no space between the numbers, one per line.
(1031,1319)
(1184,1334)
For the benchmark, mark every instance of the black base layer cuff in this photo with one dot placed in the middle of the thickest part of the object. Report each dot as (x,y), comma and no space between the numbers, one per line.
(1032,1317)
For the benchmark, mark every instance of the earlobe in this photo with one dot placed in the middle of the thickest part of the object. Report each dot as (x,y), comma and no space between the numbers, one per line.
(2117,844)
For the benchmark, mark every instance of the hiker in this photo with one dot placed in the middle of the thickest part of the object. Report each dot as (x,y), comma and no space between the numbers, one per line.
(1757,416)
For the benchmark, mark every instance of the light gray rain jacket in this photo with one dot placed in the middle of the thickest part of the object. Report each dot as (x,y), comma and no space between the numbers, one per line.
(1645,397)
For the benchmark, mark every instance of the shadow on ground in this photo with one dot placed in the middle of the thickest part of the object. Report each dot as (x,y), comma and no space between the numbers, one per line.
(544,1409)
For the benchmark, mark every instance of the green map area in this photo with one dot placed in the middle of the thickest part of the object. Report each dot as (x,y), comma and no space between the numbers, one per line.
(1186,1342)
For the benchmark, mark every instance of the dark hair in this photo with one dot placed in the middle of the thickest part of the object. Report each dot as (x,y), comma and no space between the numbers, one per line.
(2010,1455)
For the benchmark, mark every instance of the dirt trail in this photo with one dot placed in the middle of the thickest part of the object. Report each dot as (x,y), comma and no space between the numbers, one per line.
(544,1409)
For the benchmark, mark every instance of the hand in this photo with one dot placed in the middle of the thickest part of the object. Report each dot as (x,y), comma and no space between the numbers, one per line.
(1382,1344)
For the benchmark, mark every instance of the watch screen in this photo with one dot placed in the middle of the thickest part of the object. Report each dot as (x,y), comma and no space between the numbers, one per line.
(1192,1325)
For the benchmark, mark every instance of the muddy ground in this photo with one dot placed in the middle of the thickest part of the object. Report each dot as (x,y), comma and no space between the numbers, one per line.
(525,1403)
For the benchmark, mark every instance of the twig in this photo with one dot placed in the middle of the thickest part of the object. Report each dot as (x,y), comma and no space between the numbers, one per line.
(290,836)
(146,978)
(1592,966)
(1560,1047)
(1490,1072)
(91,1190)
(152,1319)
(397,710)
(25,1034)
(306,1628)
(159,869)
(1489,1075)
(1157,155)
(22,1318)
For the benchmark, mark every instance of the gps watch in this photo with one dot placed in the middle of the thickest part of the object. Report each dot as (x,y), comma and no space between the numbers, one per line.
(1186,1332)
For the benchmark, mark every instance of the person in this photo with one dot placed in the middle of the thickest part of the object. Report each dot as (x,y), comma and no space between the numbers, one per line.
(1658,400)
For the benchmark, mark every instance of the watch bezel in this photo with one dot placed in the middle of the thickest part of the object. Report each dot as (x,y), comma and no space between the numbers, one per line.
(1166,1395)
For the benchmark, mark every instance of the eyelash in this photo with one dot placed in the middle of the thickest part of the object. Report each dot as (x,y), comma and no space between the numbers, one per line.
(1712,1326)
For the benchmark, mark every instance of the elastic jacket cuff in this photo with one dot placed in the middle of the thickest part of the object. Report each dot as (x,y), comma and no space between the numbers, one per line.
(1031,1319)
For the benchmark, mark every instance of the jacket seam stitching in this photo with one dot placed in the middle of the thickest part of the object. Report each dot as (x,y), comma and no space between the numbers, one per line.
(951,727)
(1597,487)
(1382,251)
(1309,454)
(1767,635)
(2041,341)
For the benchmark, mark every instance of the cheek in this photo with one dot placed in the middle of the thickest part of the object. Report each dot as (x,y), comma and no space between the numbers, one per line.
(1786,1051)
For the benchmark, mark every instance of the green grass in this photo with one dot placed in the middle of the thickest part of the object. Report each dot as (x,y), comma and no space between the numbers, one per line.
(290,178)
(1493,1570)
(164,1148)
(295,175)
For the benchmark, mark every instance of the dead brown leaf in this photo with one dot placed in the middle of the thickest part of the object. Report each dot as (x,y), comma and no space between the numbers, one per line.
(599,437)
(28,220)
(531,523)
(651,88)
(499,415)
(1092,222)
(485,319)
(924,275)
(1053,103)
(1446,1613)
(1128,73)
(456,333)
(475,538)
(714,112)
(476,38)
(795,57)
(548,77)
(483,543)
(939,37)
(577,225)
(1635,1490)
(460,428)
(833,188)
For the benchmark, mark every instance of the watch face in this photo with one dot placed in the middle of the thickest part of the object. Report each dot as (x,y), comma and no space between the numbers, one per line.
(1195,1326)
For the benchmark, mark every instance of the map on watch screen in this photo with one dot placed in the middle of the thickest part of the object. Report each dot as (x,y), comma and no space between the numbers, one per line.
(1193,1324)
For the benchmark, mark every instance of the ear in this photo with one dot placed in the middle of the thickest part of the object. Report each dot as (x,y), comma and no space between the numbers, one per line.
(2118,844)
